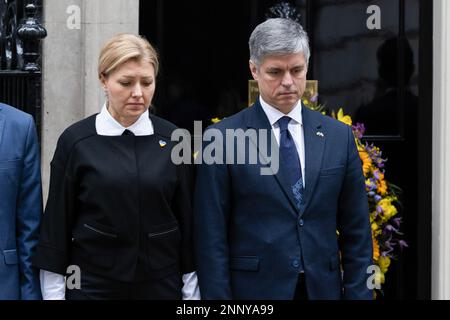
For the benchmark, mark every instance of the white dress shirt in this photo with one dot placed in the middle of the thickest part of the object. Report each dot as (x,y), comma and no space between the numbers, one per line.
(53,285)
(295,127)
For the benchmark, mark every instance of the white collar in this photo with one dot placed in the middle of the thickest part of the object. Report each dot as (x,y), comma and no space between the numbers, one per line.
(106,125)
(274,114)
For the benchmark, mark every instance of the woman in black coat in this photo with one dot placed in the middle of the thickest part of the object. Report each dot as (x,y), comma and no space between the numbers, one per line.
(119,210)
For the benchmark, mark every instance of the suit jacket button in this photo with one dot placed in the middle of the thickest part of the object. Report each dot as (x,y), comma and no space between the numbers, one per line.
(301,222)
(296,263)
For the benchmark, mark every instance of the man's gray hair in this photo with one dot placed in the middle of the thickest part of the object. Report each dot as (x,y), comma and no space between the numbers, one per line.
(278,36)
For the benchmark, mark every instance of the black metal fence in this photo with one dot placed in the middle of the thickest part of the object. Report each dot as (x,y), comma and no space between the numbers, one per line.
(20,47)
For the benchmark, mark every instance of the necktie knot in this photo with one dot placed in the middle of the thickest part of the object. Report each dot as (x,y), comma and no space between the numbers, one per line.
(127,133)
(283,123)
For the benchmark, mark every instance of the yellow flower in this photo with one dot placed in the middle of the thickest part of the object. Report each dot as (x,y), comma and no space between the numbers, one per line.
(382,187)
(379,277)
(367,162)
(374,226)
(388,209)
(215,120)
(376,248)
(343,118)
(368,184)
(383,263)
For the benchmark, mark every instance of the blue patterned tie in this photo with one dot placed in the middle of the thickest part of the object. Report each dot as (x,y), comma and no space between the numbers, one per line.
(289,154)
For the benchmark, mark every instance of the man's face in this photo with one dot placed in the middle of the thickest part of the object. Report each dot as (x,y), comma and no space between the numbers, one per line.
(281,79)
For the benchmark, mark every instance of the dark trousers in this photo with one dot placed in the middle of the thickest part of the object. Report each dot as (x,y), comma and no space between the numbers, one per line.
(95,287)
(300,292)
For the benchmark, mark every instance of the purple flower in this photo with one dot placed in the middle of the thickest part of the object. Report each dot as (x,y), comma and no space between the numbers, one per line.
(373,185)
(397,221)
(376,174)
(359,130)
(402,244)
(388,245)
(376,155)
(380,163)
(389,229)
(378,198)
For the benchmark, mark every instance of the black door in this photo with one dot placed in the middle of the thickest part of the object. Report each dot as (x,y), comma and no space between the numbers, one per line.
(378,70)
(380,74)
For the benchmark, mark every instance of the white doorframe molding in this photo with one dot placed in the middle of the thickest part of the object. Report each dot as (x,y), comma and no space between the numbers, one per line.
(440,266)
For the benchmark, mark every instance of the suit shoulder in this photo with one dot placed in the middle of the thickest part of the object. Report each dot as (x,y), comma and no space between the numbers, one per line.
(330,123)
(18,117)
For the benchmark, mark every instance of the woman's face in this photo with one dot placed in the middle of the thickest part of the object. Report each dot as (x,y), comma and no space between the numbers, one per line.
(130,90)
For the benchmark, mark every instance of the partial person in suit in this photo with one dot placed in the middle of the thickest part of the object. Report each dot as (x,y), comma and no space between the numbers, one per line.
(275,236)
(118,208)
(20,205)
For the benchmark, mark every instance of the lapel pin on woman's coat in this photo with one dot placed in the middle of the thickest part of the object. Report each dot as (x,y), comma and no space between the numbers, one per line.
(162,143)
(320,134)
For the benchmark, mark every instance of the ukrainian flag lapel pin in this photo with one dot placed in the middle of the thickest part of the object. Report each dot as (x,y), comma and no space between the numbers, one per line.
(162,143)
(320,134)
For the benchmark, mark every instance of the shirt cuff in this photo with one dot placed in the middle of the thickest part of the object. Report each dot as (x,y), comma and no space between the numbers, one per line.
(53,285)
(190,290)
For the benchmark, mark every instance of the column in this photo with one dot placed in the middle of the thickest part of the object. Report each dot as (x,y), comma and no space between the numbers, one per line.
(71,91)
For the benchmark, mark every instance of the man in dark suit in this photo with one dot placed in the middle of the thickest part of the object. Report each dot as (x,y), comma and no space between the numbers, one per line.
(302,232)
(20,204)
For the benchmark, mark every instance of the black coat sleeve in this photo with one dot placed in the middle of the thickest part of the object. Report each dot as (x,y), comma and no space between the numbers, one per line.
(182,208)
(53,250)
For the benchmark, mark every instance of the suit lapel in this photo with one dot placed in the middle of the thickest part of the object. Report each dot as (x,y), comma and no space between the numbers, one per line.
(314,147)
(257,120)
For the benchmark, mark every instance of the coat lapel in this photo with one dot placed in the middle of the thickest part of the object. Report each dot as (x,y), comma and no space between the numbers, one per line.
(160,128)
(161,137)
(315,138)
(257,120)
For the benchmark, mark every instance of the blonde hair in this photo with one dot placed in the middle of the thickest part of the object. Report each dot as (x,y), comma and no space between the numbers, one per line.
(124,47)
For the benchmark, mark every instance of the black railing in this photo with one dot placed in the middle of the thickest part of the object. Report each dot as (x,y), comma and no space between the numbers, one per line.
(20,47)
